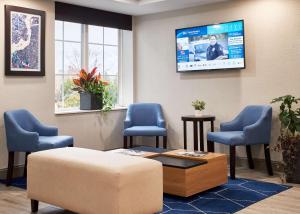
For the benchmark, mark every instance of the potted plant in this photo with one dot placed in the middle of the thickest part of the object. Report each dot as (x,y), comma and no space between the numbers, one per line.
(289,139)
(91,89)
(199,106)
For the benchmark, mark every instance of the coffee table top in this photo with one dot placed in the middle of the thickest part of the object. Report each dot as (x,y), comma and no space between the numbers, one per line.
(131,152)
(150,149)
(208,157)
(150,152)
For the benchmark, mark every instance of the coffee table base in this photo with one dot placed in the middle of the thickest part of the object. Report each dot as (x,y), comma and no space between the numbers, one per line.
(187,182)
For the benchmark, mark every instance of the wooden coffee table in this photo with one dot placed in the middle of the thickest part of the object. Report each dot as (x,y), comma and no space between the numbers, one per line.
(192,175)
(190,181)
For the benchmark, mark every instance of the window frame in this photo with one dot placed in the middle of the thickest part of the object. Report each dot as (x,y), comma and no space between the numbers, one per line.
(84,48)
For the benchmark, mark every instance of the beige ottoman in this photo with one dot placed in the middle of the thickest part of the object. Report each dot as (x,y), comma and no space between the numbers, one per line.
(94,182)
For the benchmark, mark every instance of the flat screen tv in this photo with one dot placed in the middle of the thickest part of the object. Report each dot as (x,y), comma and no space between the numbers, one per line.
(211,47)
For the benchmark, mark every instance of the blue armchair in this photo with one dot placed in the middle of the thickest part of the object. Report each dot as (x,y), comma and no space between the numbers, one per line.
(145,119)
(24,133)
(252,126)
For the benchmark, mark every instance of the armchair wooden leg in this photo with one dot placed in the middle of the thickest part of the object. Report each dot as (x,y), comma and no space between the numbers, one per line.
(165,140)
(10,168)
(268,159)
(249,157)
(34,206)
(25,166)
(157,141)
(131,141)
(232,162)
(125,142)
(210,146)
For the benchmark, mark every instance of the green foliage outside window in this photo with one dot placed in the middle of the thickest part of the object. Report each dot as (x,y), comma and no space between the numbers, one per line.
(71,97)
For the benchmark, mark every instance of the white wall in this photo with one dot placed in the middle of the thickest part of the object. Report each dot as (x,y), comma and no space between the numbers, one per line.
(90,130)
(272,37)
(126,83)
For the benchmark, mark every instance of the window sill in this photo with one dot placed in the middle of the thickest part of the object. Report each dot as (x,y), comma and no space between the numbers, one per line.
(77,111)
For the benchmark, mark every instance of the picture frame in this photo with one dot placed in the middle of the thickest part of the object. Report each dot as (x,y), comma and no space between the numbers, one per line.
(24,41)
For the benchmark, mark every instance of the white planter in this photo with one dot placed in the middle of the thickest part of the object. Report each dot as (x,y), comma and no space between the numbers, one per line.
(198,113)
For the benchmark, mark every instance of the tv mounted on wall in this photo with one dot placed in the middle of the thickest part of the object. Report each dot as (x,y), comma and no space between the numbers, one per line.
(211,47)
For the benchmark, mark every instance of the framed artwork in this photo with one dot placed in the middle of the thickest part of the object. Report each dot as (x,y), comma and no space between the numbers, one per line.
(24,41)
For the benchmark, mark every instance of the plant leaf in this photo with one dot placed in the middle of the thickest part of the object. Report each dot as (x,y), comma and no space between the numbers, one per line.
(77,82)
(83,74)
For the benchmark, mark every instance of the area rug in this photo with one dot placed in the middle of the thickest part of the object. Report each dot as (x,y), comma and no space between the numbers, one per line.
(17,182)
(229,198)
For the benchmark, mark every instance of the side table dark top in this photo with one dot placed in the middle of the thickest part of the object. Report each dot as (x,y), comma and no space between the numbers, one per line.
(198,118)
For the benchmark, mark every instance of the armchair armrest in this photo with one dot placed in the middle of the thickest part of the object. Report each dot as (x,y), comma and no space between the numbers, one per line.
(47,130)
(161,123)
(127,123)
(30,137)
(233,125)
(160,119)
(258,132)
(22,140)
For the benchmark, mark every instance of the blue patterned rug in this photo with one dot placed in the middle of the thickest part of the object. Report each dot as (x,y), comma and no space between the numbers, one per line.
(229,198)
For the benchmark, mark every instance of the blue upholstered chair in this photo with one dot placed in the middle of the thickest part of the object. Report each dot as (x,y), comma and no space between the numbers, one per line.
(145,119)
(24,133)
(252,126)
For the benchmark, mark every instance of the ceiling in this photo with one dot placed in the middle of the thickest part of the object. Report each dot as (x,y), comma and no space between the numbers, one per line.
(140,7)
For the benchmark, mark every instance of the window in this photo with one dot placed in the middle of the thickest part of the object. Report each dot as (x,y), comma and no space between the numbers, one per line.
(83,46)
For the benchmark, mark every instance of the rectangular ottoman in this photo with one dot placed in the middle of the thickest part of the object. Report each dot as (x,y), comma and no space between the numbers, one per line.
(94,182)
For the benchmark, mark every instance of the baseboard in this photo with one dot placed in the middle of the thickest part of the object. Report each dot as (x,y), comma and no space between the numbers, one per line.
(18,172)
(259,164)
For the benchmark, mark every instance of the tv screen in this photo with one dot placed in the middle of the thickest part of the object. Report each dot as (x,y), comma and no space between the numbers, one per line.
(211,47)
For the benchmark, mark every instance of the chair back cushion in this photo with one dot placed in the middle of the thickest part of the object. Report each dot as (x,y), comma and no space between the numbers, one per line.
(258,129)
(20,131)
(20,117)
(251,114)
(144,114)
